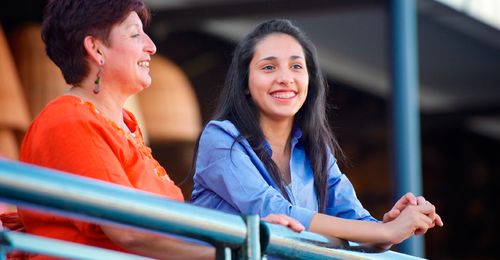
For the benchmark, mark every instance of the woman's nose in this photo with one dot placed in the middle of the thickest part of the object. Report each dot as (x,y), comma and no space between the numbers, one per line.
(150,46)
(285,78)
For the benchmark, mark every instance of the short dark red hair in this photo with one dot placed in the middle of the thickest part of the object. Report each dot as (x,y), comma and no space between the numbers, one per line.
(67,22)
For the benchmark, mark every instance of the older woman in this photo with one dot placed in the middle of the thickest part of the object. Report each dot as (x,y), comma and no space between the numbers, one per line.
(103,52)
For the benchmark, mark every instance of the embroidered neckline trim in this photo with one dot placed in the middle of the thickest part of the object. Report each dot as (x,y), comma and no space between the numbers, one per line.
(133,137)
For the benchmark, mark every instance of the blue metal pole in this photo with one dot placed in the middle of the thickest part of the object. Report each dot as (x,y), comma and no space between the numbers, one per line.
(405,107)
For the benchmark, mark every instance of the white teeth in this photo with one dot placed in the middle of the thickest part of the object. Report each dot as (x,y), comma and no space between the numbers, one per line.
(144,64)
(284,94)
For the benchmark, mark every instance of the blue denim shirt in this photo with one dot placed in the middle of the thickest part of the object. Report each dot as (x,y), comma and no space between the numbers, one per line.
(232,178)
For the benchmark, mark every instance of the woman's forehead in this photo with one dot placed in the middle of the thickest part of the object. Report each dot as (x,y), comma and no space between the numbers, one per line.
(278,45)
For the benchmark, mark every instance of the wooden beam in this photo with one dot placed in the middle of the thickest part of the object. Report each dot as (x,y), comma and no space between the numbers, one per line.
(230,9)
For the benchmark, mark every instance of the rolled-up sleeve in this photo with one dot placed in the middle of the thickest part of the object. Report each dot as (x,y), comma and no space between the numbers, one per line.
(342,199)
(228,177)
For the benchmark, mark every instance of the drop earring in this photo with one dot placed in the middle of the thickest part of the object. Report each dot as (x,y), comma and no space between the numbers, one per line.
(97,87)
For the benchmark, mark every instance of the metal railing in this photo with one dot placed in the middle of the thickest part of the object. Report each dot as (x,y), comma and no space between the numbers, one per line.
(233,236)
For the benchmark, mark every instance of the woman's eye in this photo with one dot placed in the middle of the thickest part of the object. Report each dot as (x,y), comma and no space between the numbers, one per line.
(297,66)
(135,35)
(268,67)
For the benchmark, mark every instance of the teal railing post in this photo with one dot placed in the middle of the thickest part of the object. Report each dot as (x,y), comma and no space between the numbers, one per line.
(405,107)
(3,246)
(223,253)
(251,247)
(3,253)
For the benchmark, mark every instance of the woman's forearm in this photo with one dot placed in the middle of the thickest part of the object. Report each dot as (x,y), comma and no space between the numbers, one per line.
(381,235)
(353,230)
(155,246)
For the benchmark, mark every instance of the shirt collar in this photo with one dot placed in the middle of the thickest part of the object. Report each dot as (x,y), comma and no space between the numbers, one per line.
(296,132)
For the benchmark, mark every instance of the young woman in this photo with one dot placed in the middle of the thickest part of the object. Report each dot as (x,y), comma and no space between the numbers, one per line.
(270,148)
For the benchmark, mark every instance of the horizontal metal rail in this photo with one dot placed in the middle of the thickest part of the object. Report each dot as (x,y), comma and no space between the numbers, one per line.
(281,241)
(46,246)
(95,200)
(102,202)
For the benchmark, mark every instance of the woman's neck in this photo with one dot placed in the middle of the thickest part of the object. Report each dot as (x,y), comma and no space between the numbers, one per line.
(110,105)
(277,133)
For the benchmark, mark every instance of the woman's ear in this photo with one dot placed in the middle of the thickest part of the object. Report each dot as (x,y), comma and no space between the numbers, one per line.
(92,46)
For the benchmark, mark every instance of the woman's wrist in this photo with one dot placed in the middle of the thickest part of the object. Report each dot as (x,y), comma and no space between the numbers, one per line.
(386,236)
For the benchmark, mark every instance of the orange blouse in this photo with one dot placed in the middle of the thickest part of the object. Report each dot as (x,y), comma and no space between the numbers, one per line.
(71,135)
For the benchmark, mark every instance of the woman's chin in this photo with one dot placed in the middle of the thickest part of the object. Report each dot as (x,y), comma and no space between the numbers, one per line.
(144,85)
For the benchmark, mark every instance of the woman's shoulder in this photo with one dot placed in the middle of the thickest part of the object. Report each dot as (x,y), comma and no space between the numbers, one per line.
(61,122)
(64,110)
(219,132)
(221,127)
(64,106)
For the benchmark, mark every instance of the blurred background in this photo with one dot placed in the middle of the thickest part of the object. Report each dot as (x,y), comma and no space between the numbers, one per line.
(459,74)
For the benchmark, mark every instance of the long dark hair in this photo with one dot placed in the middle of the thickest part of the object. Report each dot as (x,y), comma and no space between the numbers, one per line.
(234,105)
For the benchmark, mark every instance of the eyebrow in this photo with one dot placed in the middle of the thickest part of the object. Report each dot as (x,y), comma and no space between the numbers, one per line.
(293,57)
(134,25)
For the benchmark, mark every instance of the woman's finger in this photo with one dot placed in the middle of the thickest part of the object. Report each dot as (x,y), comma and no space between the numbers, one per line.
(438,220)
(285,220)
